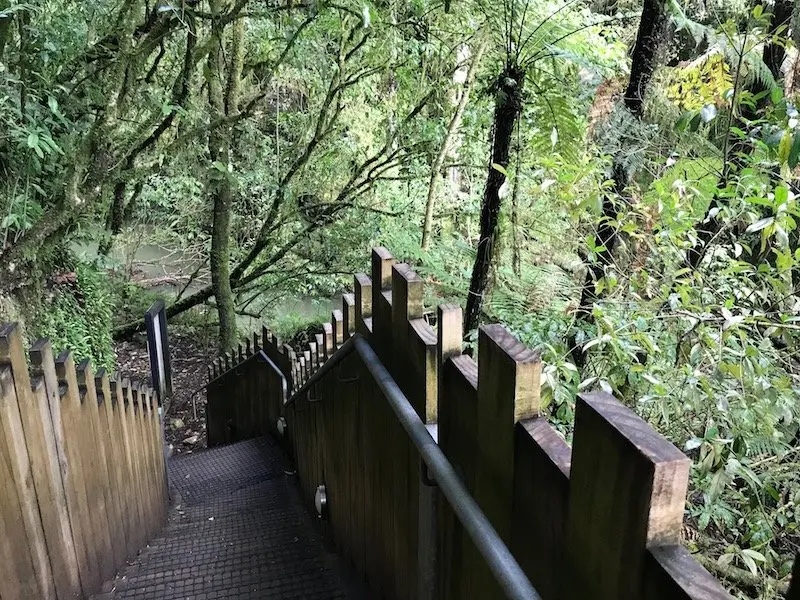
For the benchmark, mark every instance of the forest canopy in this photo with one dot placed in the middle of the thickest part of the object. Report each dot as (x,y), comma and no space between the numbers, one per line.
(614,180)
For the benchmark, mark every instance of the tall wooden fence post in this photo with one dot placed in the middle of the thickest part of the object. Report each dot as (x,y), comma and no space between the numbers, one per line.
(627,493)
(508,391)
(457,413)
(363,304)
(348,315)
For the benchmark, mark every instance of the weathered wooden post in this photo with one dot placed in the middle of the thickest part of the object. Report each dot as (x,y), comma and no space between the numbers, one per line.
(101,387)
(337,323)
(627,493)
(133,522)
(328,341)
(99,467)
(348,315)
(136,458)
(541,497)
(456,407)
(508,392)
(363,304)
(415,369)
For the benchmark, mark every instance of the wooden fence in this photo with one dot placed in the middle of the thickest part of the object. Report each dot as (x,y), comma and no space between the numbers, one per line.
(82,466)
(599,520)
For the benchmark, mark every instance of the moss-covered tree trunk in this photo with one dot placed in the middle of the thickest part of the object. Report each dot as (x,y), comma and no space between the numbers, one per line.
(508,106)
(224,101)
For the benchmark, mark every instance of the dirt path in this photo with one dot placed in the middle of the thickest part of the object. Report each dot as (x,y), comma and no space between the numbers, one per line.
(185,423)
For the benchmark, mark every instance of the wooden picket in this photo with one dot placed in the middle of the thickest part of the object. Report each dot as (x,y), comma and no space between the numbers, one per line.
(72,508)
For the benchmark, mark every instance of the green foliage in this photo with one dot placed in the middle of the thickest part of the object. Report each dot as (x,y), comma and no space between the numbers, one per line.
(77,316)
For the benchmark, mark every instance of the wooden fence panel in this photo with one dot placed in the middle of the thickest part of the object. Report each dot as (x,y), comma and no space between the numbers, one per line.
(43,366)
(107,510)
(40,438)
(348,315)
(508,391)
(22,547)
(456,405)
(82,430)
(79,488)
(363,304)
(115,458)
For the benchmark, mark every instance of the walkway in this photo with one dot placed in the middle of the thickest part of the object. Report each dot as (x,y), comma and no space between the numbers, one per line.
(238,532)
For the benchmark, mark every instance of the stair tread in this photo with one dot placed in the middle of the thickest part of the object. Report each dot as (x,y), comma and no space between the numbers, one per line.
(239,531)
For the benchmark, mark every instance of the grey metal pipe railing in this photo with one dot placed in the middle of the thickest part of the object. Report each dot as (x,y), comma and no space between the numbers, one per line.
(503,565)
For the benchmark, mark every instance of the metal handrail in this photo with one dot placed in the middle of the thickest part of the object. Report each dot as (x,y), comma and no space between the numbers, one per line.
(503,565)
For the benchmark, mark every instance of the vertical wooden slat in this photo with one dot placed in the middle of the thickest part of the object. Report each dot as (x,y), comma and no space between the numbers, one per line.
(68,463)
(137,395)
(152,455)
(114,459)
(327,340)
(348,315)
(457,413)
(109,508)
(26,567)
(136,464)
(82,497)
(126,473)
(541,498)
(157,452)
(363,304)
(382,262)
(508,390)
(37,424)
(627,493)
(415,366)
(337,322)
(319,338)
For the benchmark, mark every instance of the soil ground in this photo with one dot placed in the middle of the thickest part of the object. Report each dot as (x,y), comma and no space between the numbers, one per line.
(185,421)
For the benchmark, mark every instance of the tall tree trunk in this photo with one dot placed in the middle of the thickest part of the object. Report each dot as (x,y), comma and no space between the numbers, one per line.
(651,40)
(452,128)
(223,103)
(508,106)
